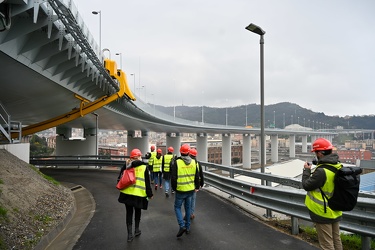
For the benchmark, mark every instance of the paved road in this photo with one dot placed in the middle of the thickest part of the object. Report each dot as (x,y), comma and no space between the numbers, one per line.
(218,224)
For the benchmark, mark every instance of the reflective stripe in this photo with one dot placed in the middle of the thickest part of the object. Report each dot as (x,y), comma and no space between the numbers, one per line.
(157,164)
(167,162)
(314,199)
(139,188)
(186,175)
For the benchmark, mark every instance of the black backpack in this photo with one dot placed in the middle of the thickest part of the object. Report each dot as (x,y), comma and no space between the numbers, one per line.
(346,189)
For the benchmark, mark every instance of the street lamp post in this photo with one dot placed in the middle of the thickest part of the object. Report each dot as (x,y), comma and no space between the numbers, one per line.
(258,30)
(120,54)
(96,132)
(133,74)
(99,12)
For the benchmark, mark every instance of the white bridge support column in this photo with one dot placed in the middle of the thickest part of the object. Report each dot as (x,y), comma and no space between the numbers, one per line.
(174,140)
(274,148)
(226,149)
(292,146)
(313,138)
(304,144)
(137,139)
(246,151)
(66,146)
(202,147)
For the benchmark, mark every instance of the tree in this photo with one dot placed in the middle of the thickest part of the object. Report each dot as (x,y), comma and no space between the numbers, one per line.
(39,147)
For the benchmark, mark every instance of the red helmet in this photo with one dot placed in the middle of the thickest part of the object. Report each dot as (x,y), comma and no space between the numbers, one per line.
(159,151)
(185,148)
(193,152)
(170,149)
(321,144)
(152,148)
(135,153)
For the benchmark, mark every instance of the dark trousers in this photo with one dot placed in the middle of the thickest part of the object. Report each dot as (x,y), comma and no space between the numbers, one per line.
(129,214)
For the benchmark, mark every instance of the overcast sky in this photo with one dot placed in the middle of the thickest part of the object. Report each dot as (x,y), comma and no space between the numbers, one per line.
(318,54)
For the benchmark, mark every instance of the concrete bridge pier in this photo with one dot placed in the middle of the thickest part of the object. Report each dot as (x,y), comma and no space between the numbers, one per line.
(292,146)
(202,147)
(226,149)
(138,140)
(174,140)
(304,144)
(246,151)
(274,148)
(66,145)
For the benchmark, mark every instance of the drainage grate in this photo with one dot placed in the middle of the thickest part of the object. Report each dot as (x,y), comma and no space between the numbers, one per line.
(76,188)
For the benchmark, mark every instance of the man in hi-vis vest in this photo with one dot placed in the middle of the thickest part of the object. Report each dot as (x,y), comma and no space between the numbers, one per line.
(327,221)
(185,181)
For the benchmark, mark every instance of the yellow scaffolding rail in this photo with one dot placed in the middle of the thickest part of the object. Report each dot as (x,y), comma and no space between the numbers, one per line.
(86,107)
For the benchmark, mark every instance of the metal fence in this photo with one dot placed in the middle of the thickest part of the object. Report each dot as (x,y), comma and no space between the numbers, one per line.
(288,201)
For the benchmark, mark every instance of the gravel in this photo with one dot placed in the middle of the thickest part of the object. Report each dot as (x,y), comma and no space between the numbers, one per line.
(30,205)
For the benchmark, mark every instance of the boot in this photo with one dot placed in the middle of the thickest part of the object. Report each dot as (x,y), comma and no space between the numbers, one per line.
(137,232)
(130,234)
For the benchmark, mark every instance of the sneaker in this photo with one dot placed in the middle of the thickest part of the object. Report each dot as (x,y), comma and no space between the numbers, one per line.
(187,231)
(172,191)
(161,186)
(156,187)
(181,231)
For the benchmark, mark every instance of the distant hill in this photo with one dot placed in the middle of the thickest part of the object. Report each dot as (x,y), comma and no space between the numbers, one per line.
(284,113)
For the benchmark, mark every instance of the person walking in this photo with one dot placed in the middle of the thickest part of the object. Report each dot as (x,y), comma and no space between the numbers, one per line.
(156,169)
(185,181)
(193,154)
(135,197)
(166,170)
(150,161)
(322,180)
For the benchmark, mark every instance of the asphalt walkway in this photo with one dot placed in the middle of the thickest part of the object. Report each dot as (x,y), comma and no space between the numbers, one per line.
(99,220)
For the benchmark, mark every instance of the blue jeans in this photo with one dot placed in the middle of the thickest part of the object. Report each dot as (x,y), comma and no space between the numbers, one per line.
(193,198)
(186,199)
(158,178)
(167,185)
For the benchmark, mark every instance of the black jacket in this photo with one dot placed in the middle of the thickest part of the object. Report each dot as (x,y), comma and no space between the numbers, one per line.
(316,180)
(187,160)
(132,200)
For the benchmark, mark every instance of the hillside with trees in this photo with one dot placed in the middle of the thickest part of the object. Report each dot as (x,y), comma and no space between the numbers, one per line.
(283,114)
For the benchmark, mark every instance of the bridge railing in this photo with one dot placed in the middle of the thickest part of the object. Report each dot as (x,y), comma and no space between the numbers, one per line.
(288,201)
(287,198)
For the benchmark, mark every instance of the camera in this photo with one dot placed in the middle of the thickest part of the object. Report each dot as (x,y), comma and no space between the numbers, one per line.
(314,161)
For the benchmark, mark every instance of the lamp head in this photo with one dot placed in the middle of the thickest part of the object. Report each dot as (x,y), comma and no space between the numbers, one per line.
(96,12)
(255,29)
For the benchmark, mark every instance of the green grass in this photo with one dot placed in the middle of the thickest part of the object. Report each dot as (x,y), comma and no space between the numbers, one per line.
(45,219)
(349,241)
(3,212)
(48,178)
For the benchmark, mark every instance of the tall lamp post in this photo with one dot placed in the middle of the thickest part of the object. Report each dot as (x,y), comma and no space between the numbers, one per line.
(120,54)
(97,136)
(99,12)
(258,30)
(133,74)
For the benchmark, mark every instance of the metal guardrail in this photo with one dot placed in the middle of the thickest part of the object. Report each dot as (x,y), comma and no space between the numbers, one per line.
(288,201)
(84,160)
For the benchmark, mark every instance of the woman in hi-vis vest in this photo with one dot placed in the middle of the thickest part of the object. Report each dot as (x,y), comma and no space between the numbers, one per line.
(135,197)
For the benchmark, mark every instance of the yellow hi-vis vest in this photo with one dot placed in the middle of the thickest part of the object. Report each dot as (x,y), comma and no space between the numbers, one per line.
(157,164)
(314,200)
(152,157)
(167,162)
(139,188)
(186,175)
